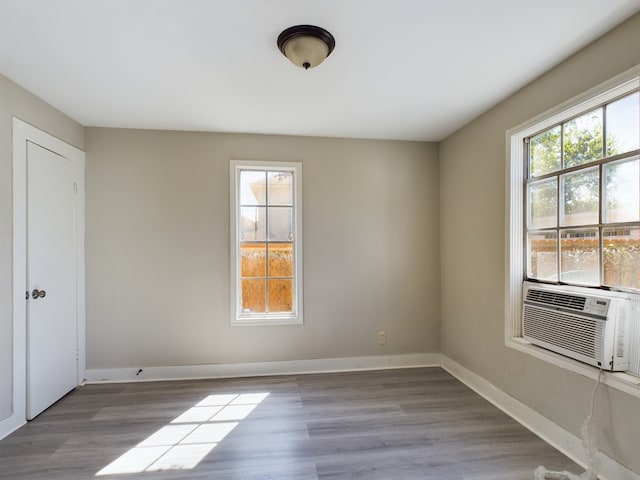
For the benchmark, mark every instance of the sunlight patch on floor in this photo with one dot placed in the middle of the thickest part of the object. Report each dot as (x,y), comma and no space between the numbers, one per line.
(189,438)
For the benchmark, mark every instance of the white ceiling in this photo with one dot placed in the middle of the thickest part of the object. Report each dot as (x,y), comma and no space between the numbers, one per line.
(402,69)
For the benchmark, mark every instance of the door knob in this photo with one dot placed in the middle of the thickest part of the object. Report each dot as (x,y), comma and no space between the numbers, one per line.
(38,293)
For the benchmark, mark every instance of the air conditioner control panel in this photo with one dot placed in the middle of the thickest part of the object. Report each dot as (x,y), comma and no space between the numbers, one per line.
(597,306)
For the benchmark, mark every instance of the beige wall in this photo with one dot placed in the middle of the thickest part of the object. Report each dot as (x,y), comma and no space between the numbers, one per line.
(157,249)
(472,186)
(15,101)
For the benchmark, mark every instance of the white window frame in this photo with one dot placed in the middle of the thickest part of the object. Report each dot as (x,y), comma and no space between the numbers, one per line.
(515,267)
(260,319)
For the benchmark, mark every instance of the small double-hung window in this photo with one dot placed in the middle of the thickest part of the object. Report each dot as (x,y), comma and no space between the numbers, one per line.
(583,198)
(266,243)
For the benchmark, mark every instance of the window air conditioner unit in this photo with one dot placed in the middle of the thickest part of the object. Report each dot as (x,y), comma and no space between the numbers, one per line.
(588,325)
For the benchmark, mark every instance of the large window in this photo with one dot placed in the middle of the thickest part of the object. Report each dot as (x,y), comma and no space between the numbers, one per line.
(266,243)
(582,198)
(573,207)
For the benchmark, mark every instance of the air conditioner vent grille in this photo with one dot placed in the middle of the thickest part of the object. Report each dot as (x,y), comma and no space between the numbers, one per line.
(557,299)
(578,334)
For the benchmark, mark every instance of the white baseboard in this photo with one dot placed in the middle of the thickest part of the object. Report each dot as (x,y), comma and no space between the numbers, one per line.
(549,431)
(10,425)
(322,365)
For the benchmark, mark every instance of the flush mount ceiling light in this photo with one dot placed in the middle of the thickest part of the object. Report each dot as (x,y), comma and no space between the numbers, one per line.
(306,45)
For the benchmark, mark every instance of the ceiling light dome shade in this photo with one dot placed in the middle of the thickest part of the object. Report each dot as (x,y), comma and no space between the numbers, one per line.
(306,45)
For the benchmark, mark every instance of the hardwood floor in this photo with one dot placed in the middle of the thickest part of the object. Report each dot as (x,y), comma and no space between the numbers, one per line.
(389,424)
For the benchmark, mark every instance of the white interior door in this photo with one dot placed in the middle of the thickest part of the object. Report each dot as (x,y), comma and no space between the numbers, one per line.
(52,330)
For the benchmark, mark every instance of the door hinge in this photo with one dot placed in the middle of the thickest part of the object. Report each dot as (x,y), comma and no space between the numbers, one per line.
(75,187)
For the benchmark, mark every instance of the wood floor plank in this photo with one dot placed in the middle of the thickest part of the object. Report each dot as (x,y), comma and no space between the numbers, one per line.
(390,424)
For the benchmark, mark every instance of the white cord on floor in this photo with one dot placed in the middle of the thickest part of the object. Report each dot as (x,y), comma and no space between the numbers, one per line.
(589,441)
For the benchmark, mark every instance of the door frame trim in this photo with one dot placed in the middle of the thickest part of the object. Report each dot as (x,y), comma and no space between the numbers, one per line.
(23,132)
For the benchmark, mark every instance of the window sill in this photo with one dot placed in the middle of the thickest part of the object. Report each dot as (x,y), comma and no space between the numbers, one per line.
(624,382)
(267,320)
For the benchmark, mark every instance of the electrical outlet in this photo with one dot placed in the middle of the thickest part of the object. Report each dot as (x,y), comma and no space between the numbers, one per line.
(382,338)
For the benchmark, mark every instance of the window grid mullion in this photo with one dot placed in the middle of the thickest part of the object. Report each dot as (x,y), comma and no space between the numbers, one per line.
(601,203)
(557,229)
(602,161)
(239,275)
(526,254)
(604,130)
(266,240)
